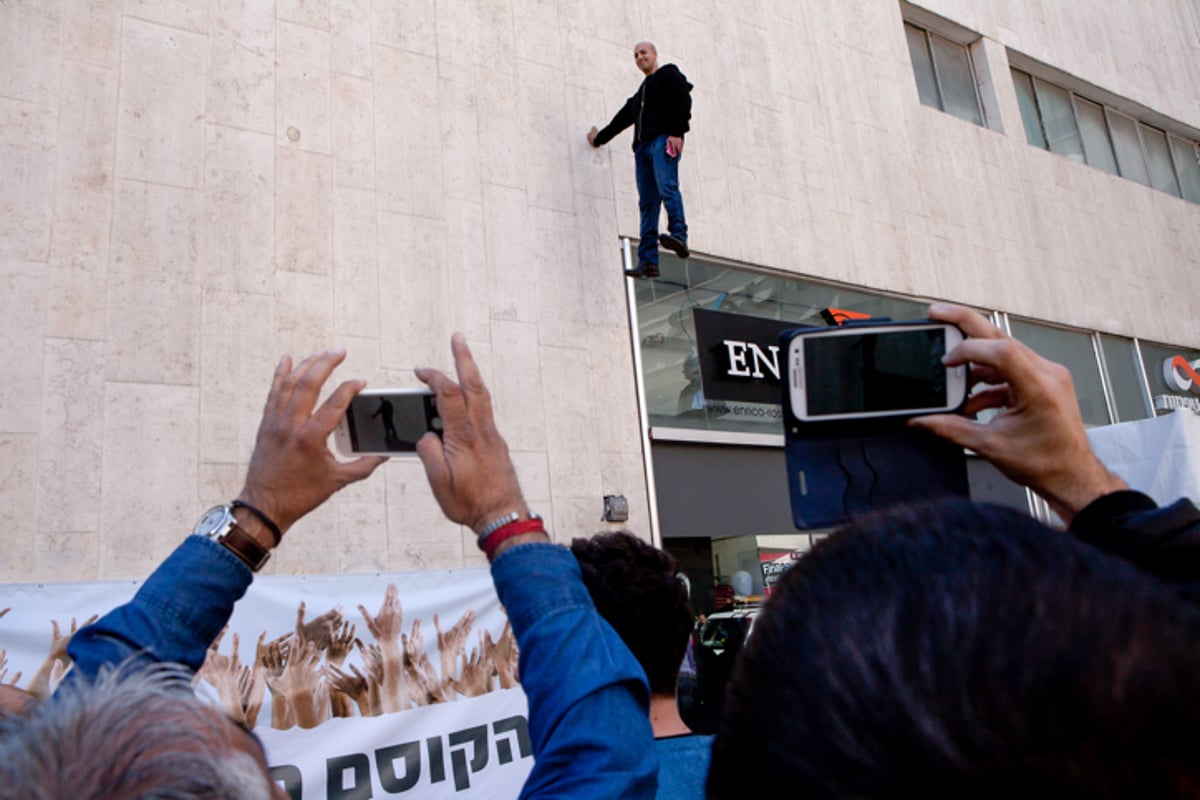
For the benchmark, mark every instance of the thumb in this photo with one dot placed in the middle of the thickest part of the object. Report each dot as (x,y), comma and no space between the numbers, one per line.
(353,471)
(433,458)
(952,427)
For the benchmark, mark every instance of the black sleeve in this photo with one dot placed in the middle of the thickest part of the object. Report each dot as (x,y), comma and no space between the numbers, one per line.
(680,106)
(1162,541)
(623,119)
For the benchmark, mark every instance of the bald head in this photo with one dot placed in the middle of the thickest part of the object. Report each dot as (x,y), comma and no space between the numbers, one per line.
(645,55)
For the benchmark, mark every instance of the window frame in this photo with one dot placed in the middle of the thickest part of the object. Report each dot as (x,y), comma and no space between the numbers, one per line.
(927,37)
(1022,76)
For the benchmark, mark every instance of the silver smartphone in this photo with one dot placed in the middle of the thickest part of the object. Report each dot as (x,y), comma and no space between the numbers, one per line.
(387,422)
(885,370)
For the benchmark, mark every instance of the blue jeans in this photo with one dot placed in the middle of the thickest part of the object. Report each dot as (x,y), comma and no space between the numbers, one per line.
(658,185)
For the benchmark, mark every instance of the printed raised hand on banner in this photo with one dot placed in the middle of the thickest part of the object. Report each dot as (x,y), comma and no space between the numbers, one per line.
(39,684)
(504,655)
(274,661)
(341,643)
(302,684)
(477,671)
(4,670)
(360,686)
(386,628)
(240,688)
(321,630)
(452,643)
(423,677)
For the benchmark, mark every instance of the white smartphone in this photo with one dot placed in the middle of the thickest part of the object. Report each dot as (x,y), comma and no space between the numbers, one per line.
(387,422)
(885,370)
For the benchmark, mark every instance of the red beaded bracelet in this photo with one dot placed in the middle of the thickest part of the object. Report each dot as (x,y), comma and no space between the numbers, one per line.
(505,532)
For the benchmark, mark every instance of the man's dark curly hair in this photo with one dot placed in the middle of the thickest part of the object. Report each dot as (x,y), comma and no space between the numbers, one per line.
(636,588)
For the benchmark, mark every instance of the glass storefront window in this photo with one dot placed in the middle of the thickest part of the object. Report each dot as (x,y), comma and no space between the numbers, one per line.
(1125,377)
(1072,349)
(670,358)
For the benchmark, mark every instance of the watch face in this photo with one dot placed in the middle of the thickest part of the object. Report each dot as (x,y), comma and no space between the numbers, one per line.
(212,522)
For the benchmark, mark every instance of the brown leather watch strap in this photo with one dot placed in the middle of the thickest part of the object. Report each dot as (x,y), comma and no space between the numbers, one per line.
(245,547)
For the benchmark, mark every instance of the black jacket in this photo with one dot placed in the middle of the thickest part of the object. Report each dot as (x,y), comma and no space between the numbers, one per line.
(1162,541)
(661,105)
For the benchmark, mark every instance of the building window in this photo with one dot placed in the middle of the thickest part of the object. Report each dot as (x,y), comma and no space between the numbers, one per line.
(1123,368)
(945,76)
(1083,130)
(1074,350)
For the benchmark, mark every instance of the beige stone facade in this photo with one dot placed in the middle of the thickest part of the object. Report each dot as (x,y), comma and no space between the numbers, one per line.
(189,189)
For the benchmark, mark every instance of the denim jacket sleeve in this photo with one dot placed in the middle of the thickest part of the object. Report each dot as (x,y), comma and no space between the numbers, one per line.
(588,696)
(173,617)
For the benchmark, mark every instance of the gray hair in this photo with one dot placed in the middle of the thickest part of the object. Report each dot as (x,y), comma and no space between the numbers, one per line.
(130,733)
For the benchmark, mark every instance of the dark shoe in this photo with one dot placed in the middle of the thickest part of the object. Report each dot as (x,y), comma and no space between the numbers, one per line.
(677,246)
(644,270)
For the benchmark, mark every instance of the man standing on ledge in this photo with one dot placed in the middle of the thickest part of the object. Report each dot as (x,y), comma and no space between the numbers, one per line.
(659,112)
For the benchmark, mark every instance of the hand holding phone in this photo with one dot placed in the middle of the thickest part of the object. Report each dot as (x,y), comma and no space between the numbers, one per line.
(1039,440)
(871,371)
(387,422)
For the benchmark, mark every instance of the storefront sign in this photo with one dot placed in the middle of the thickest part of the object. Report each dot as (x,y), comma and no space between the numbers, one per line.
(1170,402)
(1181,376)
(741,360)
(773,567)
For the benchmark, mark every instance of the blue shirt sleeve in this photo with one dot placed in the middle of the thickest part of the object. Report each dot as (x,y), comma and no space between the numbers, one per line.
(173,617)
(588,696)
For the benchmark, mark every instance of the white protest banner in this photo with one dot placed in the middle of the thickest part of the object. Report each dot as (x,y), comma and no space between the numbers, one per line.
(421,714)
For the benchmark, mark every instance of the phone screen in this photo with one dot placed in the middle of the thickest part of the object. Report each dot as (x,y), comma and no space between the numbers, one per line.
(391,423)
(874,372)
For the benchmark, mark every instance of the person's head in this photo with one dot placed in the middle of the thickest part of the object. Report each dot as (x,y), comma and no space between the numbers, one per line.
(637,588)
(131,733)
(966,651)
(645,55)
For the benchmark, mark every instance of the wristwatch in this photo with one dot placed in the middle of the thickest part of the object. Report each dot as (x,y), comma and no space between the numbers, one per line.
(219,525)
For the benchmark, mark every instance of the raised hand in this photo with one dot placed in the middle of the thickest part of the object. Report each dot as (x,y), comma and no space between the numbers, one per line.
(468,467)
(476,675)
(387,624)
(302,684)
(39,684)
(233,682)
(1037,439)
(292,471)
(451,643)
(341,643)
(274,659)
(385,627)
(274,651)
(504,655)
(320,631)
(425,683)
(4,670)
(360,688)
